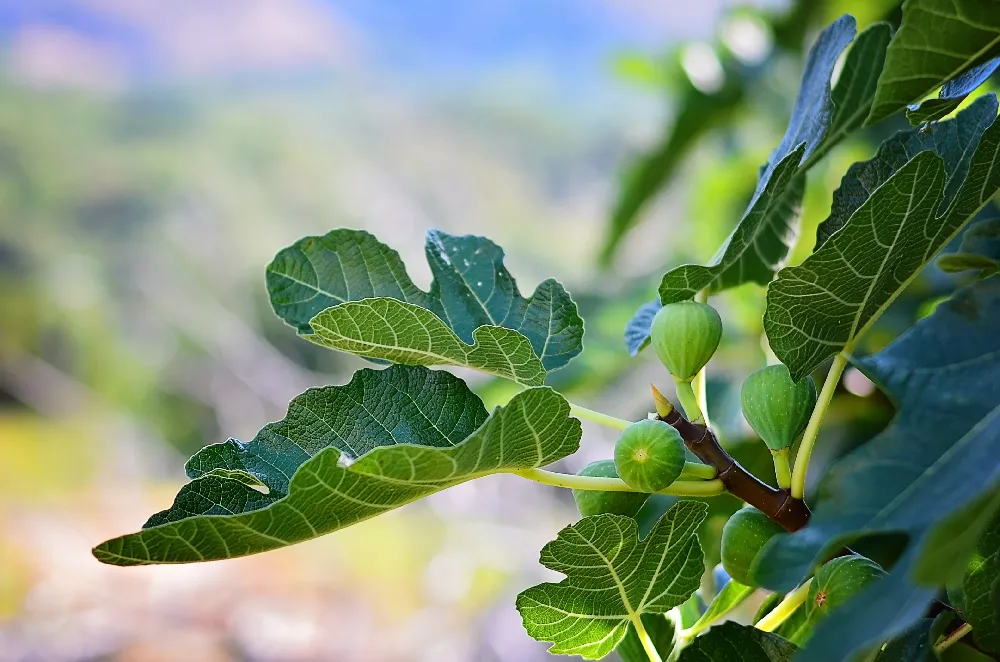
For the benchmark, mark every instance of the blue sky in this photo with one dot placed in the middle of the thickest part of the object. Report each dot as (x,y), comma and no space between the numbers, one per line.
(561,38)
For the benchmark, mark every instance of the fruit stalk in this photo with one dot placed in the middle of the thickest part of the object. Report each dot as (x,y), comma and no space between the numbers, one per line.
(786,608)
(792,514)
(801,467)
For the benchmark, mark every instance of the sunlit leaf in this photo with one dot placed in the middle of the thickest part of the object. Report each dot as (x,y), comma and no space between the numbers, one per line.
(938,41)
(613,578)
(344,454)
(471,289)
(899,212)
(392,330)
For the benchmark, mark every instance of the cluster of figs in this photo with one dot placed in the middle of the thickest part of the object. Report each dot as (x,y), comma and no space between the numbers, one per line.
(650,455)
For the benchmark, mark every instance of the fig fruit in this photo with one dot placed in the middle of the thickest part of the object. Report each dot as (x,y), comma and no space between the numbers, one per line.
(837,581)
(743,536)
(649,455)
(685,335)
(594,502)
(776,406)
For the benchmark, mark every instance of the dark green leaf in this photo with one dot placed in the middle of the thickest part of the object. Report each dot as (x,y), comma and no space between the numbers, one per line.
(980,250)
(938,455)
(981,587)
(953,539)
(612,578)
(760,243)
(661,630)
(938,41)
(471,289)
(954,141)
(898,217)
(914,645)
(730,642)
(952,94)
(344,454)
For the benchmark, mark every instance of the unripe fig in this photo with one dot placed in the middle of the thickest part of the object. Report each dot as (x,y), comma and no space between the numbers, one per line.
(744,535)
(685,335)
(594,502)
(776,406)
(649,455)
(837,581)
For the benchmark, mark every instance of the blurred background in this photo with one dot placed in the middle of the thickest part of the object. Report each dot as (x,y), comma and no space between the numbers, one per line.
(154,156)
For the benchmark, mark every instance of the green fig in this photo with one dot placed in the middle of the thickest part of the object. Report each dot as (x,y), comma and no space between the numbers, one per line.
(744,535)
(777,407)
(837,581)
(649,455)
(685,335)
(594,502)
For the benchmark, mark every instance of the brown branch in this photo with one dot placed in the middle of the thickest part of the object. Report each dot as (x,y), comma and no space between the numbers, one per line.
(790,513)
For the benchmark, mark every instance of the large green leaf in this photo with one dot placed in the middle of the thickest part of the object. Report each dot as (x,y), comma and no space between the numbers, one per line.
(344,454)
(400,332)
(613,578)
(898,217)
(821,117)
(730,642)
(938,455)
(914,645)
(937,41)
(952,94)
(471,289)
(981,588)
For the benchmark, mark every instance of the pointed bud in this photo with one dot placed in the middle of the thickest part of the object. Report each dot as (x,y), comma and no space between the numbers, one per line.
(663,406)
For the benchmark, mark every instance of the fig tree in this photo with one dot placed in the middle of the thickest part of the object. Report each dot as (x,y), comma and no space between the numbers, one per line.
(594,502)
(744,535)
(685,335)
(837,581)
(776,406)
(649,455)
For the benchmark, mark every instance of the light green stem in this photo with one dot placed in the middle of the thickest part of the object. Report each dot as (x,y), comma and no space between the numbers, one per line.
(689,402)
(785,608)
(598,417)
(698,470)
(681,488)
(812,429)
(647,642)
(700,380)
(952,638)
(782,469)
